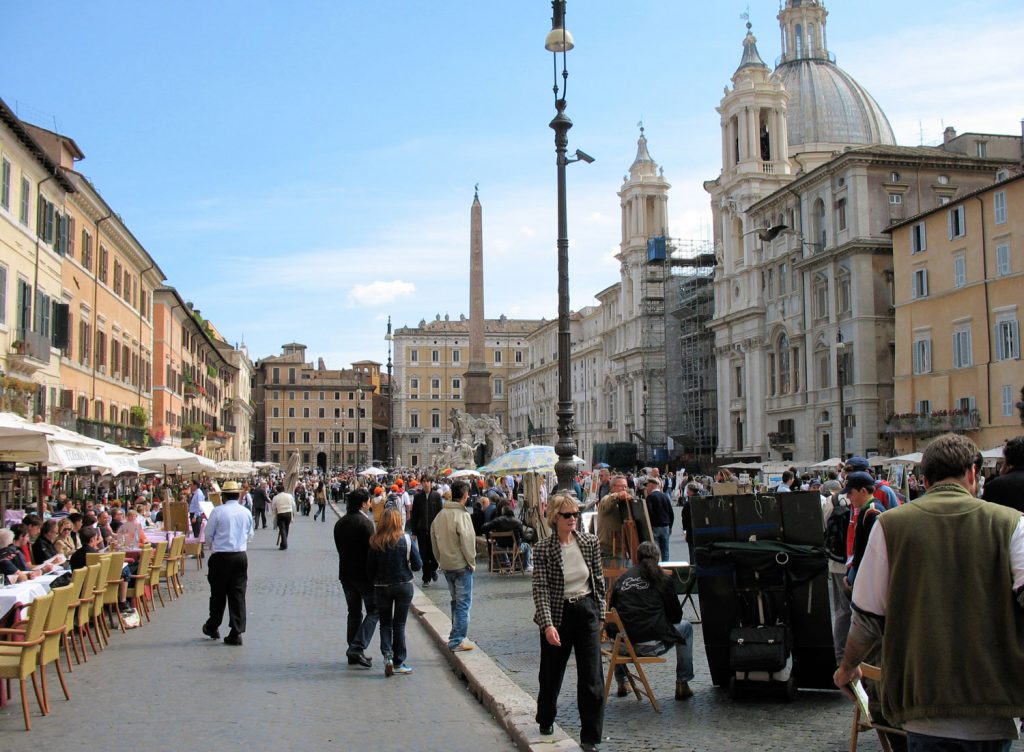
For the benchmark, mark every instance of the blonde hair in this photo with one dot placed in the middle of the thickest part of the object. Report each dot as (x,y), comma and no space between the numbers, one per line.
(557,503)
(388,531)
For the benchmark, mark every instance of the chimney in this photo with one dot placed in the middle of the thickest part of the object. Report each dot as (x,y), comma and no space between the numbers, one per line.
(949,134)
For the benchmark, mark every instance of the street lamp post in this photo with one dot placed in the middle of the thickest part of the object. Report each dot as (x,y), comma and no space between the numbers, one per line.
(559,40)
(359,424)
(391,401)
(840,374)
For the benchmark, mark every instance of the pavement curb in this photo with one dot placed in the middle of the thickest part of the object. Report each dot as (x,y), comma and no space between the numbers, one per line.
(511,706)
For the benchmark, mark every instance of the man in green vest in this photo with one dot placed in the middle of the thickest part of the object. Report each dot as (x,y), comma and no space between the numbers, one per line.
(941,587)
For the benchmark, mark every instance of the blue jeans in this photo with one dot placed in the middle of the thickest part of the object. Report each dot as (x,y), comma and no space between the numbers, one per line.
(460,586)
(661,535)
(921,743)
(684,652)
(393,603)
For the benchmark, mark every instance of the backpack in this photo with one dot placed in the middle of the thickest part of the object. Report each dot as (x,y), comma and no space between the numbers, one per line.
(835,530)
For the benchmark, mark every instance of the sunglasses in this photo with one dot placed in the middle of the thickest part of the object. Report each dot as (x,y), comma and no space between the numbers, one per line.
(569,515)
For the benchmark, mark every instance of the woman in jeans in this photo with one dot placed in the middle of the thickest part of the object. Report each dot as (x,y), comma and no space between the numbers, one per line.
(391,560)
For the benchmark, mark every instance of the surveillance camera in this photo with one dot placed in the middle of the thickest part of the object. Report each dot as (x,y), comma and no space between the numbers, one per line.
(580,154)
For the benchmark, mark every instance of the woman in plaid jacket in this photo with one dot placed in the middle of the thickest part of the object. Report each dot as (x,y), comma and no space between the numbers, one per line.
(568,595)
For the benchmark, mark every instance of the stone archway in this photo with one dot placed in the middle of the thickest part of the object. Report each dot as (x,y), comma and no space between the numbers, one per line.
(321,461)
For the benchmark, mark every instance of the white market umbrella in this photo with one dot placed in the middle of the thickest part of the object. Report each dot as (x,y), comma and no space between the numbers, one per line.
(914,458)
(465,474)
(832,462)
(235,467)
(743,466)
(164,457)
(373,471)
(993,454)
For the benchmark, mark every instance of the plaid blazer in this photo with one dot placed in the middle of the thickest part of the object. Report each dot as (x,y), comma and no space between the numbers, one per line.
(549,579)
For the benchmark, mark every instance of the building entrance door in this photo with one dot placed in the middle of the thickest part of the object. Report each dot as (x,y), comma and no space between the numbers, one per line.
(321,461)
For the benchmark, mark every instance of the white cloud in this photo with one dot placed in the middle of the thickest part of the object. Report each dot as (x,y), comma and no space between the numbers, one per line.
(379,293)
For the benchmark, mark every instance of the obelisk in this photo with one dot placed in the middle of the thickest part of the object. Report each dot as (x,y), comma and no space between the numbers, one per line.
(478,378)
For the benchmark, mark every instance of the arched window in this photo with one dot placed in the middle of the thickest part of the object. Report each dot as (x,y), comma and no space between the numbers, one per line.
(783,358)
(799,33)
(811,41)
(819,225)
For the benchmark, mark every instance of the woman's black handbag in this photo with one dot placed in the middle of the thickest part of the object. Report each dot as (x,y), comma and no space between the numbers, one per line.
(758,648)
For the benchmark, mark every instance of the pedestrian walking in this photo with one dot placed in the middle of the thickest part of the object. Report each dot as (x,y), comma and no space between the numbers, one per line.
(195,510)
(568,597)
(321,502)
(283,507)
(260,502)
(391,560)
(352,539)
(228,532)
(454,543)
(426,505)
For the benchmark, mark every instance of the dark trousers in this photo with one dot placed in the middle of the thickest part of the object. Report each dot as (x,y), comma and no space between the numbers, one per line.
(579,632)
(921,743)
(260,513)
(197,522)
(393,603)
(427,555)
(360,628)
(228,575)
(321,512)
(284,521)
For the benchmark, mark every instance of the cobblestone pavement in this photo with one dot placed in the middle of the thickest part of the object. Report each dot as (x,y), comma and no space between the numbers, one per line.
(167,687)
(818,721)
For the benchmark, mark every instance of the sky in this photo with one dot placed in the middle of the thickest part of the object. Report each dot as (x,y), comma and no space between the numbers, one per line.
(302,170)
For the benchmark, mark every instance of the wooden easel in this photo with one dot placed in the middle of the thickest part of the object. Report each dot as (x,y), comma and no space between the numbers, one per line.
(627,540)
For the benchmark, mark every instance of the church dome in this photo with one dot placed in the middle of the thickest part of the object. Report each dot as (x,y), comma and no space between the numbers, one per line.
(827,106)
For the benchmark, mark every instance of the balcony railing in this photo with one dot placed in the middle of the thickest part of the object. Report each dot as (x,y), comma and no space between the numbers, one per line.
(114,433)
(781,438)
(929,424)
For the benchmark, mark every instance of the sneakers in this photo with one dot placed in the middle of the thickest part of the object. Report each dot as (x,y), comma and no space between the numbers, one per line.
(622,691)
(389,668)
(547,730)
(403,669)
(464,646)
(528,569)
(683,691)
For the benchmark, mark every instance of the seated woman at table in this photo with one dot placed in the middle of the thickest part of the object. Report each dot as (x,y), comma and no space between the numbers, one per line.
(65,543)
(12,553)
(144,515)
(131,531)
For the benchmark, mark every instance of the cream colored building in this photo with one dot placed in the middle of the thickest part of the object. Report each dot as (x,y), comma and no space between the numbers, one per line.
(331,417)
(959,280)
(804,290)
(430,362)
(239,406)
(34,236)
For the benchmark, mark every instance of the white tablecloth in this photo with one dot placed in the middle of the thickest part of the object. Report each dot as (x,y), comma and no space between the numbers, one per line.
(23,592)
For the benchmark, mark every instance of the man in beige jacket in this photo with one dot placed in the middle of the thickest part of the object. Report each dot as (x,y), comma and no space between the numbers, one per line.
(454,542)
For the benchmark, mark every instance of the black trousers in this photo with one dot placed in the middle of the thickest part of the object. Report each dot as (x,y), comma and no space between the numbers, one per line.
(359,632)
(228,575)
(284,521)
(426,554)
(579,632)
(258,514)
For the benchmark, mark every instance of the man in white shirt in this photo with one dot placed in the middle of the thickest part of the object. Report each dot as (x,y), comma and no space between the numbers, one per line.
(228,532)
(283,507)
(195,511)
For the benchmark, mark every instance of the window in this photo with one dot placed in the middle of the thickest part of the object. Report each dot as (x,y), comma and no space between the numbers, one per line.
(104,261)
(924,407)
(415,460)
(414,386)
(820,297)
(435,356)
(917,238)
(962,347)
(896,199)
(738,381)
(291,412)
(1007,400)
(276,377)
(959,270)
(117,277)
(843,289)
(894,177)
(305,438)
(43,311)
(305,395)
(519,356)
(1002,260)
(5,183)
(782,279)
(841,213)
(922,356)
(277,412)
(435,384)
(337,412)
(824,372)
(435,419)
(497,357)
(1000,207)
(291,437)
(1007,338)
(456,386)
(275,437)
(321,413)
(499,387)
(920,284)
(456,356)
(414,356)
(86,250)
(414,420)
(305,412)
(3,294)
(981,149)
(26,190)
(957,223)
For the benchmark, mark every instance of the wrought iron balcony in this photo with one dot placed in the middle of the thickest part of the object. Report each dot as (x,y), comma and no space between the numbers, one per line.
(930,424)
(114,433)
(781,438)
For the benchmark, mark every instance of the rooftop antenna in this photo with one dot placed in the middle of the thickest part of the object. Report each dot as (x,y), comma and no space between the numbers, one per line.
(920,133)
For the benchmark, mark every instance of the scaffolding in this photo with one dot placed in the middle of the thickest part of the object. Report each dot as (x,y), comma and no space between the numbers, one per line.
(690,378)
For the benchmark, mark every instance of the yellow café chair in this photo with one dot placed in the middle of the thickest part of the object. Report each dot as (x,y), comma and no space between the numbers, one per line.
(159,554)
(20,659)
(172,566)
(111,585)
(137,586)
(98,592)
(49,651)
(83,612)
(77,581)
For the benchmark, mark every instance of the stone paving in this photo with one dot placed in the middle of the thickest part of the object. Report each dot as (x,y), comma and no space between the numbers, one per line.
(166,687)
(818,721)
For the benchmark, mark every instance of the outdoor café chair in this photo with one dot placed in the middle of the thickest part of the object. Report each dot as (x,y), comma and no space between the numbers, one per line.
(99,591)
(84,609)
(49,651)
(77,581)
(112,589)
(19,659)
(159,554)
(137,587)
